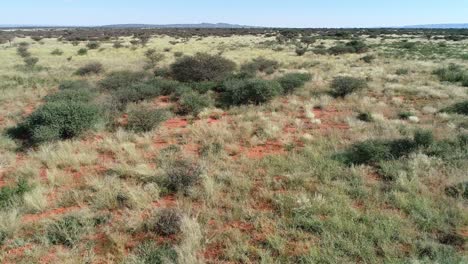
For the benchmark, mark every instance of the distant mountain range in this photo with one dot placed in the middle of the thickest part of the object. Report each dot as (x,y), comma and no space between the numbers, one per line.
(214,25)
(439,26)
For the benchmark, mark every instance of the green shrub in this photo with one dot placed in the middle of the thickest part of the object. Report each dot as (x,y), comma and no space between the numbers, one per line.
(452,73)
(251,91)
(57,52)
(458,108)
(117,45)
(354,46)
(404,115)
(56,120)
(166,87)
(344,85)
(134,94)
(300,51)
(70,95)
(424,138)
(153,58)
(142,119)
(260,64)
(23,52)
(373,151)
(151,253)
(458,191)
(368,58)
(122,79)
(67,231)
(30,62)
(182,175)
(201,67)
(193,103)
(204,87)
(93,45)
(10,195)
(74,85)
(90,68)
(82,51)
(366,117)
(166,222)
(402,71)
(291,81)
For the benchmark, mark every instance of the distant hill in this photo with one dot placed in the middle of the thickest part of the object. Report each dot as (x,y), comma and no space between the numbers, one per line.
(200,25)
(439,26)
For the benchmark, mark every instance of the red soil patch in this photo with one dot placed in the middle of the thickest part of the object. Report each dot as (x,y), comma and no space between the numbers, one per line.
(15,253)
(212,252)
(166,202)
(48,214)
(328,116)
(176,123)
(163,102)
(269,148)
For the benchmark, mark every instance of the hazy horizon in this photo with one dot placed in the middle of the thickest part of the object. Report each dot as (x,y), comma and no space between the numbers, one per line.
(295,13)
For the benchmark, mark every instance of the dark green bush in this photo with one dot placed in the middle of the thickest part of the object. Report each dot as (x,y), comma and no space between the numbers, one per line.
(424,138)
(344,85)
(93,45)
(166,87)
(30,62)
(67,231)
(365,116)
(151,253)
(204,87)
(201,67)
(134,94)
(458,108)
(193,103)
(368,58)
(182,175)
(300,51)
(75,85)
(166,222)
(122,79)
(56,120)
(90,68)
(402,71)
(291,81)
(373,151)
(260,64)
(354,46)
(82,51)
(459,190)
(70,95)
(143,119)
(10,195)
(57,52)
(452,73)
(251,91)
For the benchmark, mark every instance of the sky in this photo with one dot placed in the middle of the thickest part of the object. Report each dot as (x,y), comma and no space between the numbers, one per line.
(270,13)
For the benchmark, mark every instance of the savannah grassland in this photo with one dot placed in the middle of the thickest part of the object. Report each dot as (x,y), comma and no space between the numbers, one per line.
(283,181)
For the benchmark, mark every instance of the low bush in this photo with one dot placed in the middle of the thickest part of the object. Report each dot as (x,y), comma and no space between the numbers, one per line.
(376,150)
(122,79)
(458,191)
(11,194)
(354,46)
(424,138)
(250,91)
(460,108)
(182,175)
(300,51)
(56,120)
(134,94)
(23,52)
(366,117)
(193,103)
(368,58)
(344,85)
(67,231)
(260,64)
(151,253)
(90,68)
(452,73)
(201,67)
(71,95)
(75,85)
(57,52)
(141,119)
(30,62)
(291,81)
(166,222)
(93,45)
(153,58)
(402,71)
(82,51)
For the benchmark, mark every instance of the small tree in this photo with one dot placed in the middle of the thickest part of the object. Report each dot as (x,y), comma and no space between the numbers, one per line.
(153,58)
(31,62)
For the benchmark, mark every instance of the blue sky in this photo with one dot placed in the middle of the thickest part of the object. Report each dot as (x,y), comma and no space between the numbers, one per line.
(281,13)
